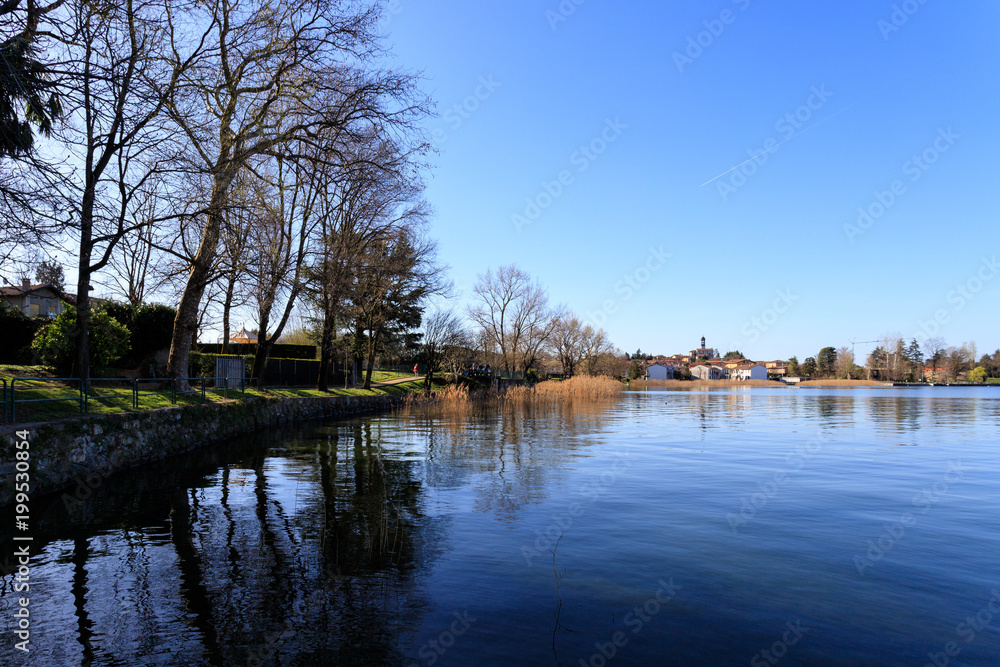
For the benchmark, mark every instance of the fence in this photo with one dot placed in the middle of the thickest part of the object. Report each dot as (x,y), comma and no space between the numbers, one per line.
(98,390)
(298,373)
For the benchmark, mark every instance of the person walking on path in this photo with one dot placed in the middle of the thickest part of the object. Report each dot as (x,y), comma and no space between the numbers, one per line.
(416,369)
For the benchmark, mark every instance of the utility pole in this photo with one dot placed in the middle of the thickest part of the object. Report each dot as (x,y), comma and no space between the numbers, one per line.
(863,342)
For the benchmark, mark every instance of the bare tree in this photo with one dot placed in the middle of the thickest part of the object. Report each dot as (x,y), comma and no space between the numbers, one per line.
(443,332)
(112,57)
(367,200)
(513,313)
(268,74)
(566,342)
(578,346)
(844,365)
(933,349)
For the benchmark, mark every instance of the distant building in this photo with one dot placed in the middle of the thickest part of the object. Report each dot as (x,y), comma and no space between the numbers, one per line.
(660,372)
(36,300)
(706,352)
(749,371)
(708,372)
(776,369)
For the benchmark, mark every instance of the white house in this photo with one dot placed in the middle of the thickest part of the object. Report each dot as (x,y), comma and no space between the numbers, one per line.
(749,371)
(706,372)
(660,372)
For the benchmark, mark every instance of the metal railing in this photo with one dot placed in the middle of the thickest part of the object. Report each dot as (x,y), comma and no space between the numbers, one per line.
(160,381)
(85,393)
(13,394)
(89,395)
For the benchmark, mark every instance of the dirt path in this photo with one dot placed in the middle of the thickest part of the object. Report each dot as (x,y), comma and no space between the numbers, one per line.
(387,383)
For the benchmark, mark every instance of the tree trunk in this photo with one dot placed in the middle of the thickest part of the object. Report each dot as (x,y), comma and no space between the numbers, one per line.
(326,352)
(226,308)
(264,345)
(186,321)
(82,365)
(372,344)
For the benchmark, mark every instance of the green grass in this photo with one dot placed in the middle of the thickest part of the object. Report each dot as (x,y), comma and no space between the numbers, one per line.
(110,397)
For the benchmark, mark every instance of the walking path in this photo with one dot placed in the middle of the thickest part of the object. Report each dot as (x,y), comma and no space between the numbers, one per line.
(387,383)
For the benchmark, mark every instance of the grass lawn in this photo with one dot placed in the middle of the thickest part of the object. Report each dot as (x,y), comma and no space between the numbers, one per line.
(49,398)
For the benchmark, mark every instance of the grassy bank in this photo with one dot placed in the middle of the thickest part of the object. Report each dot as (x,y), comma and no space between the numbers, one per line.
(117,397)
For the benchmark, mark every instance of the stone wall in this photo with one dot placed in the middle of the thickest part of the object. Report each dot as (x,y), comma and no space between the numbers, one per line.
(67,452)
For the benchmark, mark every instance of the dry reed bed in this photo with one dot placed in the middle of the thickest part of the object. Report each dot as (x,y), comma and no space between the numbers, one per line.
(455,400)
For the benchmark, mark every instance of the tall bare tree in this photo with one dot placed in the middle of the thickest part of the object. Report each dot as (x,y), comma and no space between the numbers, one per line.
(113,56)
(268,74)
(513,313)
(368,199)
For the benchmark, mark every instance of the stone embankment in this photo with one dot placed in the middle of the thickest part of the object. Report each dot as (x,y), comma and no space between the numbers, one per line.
(66,451)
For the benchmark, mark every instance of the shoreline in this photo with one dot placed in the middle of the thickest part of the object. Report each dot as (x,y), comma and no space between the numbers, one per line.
(68,452)
(640,385)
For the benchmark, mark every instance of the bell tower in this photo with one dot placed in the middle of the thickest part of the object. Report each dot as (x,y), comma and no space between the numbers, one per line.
(703,342)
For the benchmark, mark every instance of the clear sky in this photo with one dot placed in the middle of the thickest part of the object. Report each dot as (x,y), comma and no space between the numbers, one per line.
(581,144)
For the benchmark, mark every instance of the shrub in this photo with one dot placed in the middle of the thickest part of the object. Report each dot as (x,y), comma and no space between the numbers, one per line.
(150,326)
(55,342)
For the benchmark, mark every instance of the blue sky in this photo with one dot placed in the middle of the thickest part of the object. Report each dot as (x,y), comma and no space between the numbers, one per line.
(891,109)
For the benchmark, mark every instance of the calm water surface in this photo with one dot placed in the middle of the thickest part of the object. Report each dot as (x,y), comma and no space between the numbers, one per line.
(826,527)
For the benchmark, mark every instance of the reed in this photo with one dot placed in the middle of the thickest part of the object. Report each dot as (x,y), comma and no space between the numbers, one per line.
(458,400)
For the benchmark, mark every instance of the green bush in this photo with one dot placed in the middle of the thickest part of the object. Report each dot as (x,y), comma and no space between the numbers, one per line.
(150,326)
(55,342)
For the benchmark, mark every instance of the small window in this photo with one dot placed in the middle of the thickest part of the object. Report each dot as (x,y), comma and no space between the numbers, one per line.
(34,310)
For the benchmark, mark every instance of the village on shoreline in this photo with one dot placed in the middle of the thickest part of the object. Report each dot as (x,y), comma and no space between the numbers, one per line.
(906,365)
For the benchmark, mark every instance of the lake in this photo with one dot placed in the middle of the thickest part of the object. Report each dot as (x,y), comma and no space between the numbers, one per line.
(721,527)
